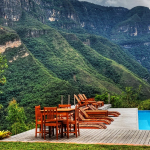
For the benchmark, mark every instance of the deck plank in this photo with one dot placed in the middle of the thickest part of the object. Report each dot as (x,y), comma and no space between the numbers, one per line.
(147,138)
(143,139)
(116,132)
(120,136)
(140,137)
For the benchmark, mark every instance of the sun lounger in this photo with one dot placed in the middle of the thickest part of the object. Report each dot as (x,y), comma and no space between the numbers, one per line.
(91,125)
(89,101)
(80,103)
(83,112)
(110,113)
(83,97)
(100,121)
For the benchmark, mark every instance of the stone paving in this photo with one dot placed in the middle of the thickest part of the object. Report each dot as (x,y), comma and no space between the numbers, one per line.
(124,130)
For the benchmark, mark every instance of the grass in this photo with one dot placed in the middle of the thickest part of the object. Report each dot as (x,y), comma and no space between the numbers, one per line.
(62,146)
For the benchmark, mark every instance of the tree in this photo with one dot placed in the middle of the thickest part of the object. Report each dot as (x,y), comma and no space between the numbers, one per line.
(16,117)
(1,106)
(130,97)
(3,66)
(1,115)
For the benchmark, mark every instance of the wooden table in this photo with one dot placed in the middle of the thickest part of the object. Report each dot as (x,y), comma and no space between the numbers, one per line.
(60,111)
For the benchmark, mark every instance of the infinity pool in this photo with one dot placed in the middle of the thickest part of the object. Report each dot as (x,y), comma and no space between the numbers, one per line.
(144,119)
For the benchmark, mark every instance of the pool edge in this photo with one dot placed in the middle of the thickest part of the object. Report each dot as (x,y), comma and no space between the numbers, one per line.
(137,118)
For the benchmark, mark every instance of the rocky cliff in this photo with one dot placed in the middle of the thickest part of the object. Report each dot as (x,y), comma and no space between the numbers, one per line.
(45,11)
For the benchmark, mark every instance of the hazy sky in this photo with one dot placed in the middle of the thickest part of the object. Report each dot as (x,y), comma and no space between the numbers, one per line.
(123,3)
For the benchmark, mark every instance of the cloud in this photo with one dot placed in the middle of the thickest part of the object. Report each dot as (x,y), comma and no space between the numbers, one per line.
(121,3)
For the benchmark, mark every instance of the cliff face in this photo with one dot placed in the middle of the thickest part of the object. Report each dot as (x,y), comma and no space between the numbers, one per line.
(56,10)
(135,24)
(10,10)
(9,44)
(45,11)
(70,14)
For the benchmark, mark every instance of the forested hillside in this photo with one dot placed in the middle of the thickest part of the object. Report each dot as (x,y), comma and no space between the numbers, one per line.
(54,48)
(128,28)
(27,79)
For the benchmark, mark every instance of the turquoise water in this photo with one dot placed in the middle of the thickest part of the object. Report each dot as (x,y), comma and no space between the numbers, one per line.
(144,119)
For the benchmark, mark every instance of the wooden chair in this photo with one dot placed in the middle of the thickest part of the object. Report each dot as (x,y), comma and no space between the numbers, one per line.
(83,112)
(99,102)
(95,103)
(93,120)
(91,125)
(98,112)
(51,119)
(89,101)
(64,106)
(74,121)
(37,119)
(80,103)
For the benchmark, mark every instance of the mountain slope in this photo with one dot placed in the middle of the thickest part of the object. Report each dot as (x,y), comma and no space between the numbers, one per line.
(127,28)
(110,50)
(57,55)
(52,50)
(116,73)
(45,63)
(27,79)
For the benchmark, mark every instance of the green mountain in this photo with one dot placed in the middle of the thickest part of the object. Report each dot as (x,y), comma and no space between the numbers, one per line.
(27,79)
(127,28)
(54,48)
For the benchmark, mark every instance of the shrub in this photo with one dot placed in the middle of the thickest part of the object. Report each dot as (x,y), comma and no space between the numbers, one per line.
(116,101)
(16,117)
(103,97)
(144,105)
(4,134)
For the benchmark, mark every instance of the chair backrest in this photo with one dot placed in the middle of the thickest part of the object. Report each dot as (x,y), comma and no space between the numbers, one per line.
(50,114)
(84,96)
(37,113)
(81,117)
(92,107)
(64,106)
(77,113)
(81,97)
(84,113)
(77,99)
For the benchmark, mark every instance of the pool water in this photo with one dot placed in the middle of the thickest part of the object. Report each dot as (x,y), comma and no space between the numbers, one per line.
(144,119)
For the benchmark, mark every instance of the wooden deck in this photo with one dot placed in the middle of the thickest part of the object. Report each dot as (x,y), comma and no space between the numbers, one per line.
(127,120)
(124,130)
(92,136)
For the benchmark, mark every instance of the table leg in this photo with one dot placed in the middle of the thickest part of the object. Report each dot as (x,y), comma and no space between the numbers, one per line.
(61,129)
(42,124)
(67,126)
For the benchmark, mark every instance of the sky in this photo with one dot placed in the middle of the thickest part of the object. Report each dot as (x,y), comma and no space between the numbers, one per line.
(123,3)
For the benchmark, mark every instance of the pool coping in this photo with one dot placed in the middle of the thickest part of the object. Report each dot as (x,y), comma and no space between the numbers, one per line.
(137,120)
